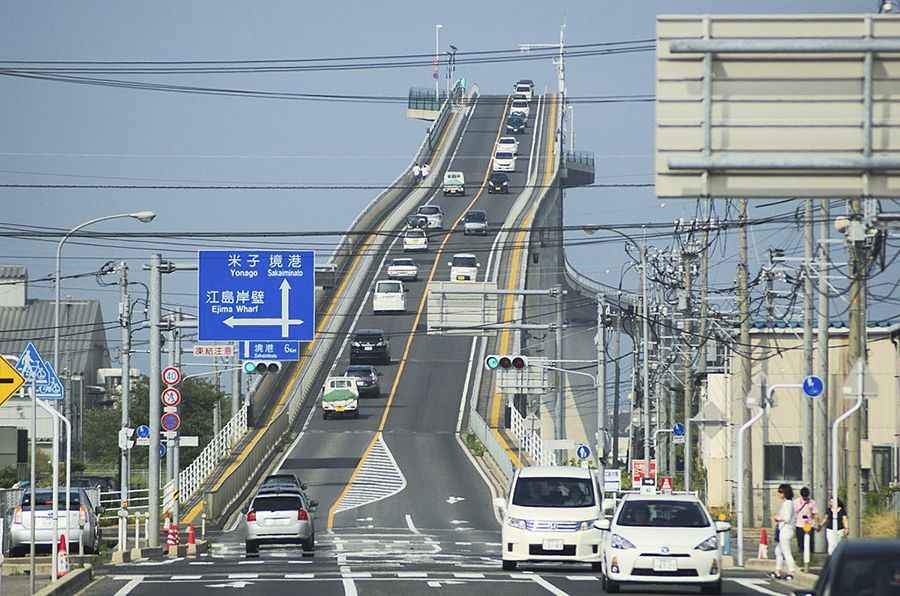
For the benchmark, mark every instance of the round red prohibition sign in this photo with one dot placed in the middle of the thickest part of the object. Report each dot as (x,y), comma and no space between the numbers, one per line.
(171,396)
(170,421)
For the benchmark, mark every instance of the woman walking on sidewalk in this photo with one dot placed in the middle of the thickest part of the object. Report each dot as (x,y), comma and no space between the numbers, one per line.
(833,537)
(784,525)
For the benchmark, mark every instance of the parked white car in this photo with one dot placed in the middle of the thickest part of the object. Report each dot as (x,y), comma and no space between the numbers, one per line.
(549,515)
(504,161)
(389,296)
(433,214)
(403,269)
(664,538)
(415,240)
(510,144)
(464,267)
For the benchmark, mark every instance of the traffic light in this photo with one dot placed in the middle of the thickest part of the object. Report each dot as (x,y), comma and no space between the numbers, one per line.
(261,367)
(506,362)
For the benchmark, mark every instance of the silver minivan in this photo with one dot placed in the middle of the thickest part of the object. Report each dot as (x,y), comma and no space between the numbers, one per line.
(281,518)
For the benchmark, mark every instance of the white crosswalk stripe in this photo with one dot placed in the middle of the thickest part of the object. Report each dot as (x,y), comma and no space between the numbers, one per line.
(378,478)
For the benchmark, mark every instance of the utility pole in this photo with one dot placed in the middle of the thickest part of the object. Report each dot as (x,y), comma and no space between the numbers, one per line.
(688,374)
(764,372)
(856,352)
(645,337)
(175,454)
(154,390)
(601,380)
(807,404)
(746,351)
(820,414)
(560,386)
(616,347)
(174,333)
(125,361)
(236,380)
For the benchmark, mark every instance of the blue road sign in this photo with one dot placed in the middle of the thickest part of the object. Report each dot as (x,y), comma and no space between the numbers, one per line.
(143,431)
(813,386)
(678,429)
(256,295)
(162,450)
(583,452)
(270,350)
(40,373)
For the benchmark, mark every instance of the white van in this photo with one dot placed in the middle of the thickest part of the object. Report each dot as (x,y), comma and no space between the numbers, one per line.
(464,267)
(415,240)
(504,161)
(389,296)
(549,515)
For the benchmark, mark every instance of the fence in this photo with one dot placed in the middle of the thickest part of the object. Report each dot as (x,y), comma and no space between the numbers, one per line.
(423,98)
(111,501)
(529,439)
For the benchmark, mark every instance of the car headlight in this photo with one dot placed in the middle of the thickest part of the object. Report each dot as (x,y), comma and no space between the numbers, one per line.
(356,344)
(515,522)
(617,541)
(586,525)
(711,543)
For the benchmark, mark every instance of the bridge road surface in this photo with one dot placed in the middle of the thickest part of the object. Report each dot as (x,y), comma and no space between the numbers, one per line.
(417,515)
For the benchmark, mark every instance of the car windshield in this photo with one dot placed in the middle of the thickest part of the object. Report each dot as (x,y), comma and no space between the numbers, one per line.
(476,216)
(389,287)
(359,372)
(504,155)
(507,141)
(368,338)
(277,504)
(553,492)
(465,262)
(428,210)
(453,175)
(520,103)
(523,88)
(402,263)
(418,234)
(872,572)
(44,500)
(662,513)
(499,177)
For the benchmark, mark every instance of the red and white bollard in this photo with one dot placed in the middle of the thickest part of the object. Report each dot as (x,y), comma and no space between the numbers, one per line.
(62,557)
(763,545)
(191,536)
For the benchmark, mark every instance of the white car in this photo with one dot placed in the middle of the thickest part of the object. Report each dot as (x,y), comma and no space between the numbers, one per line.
(504,161)
(664,538)
(403,269)
(415,240)
(433,214)
(523,89)
(549,515)
(521,106)
(510,144)
(464,267)
(389,296)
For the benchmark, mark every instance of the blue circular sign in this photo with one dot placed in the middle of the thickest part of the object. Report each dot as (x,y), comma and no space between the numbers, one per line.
(143,431)
(583,452)
(678,429)
(162,450)
(813,386)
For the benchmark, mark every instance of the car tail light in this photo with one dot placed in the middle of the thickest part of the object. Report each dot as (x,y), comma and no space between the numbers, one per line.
(17,516)
(302,515)
(251,516)
(82,516)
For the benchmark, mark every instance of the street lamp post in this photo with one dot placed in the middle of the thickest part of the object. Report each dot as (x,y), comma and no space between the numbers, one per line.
(437,66)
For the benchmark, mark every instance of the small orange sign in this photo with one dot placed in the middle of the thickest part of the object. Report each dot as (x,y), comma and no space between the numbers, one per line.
(10,380)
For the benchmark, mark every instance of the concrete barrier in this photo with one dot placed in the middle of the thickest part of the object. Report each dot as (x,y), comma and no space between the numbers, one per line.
(72,583)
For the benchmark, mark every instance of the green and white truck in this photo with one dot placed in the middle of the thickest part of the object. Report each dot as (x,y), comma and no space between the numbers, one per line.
(340,396)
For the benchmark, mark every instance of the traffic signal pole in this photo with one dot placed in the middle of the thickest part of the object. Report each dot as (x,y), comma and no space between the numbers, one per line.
(153,397)
(601,380)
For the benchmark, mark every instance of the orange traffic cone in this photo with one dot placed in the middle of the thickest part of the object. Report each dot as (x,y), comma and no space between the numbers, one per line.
(192,538)
(763,545)
(62,557)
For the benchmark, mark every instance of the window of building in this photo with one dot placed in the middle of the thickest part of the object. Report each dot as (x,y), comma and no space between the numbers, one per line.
(783,462)
(882,466)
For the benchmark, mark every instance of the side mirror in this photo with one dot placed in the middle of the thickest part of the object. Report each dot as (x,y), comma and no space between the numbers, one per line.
(500,503)
(478,264)
(722,527)
(449,264)
(602,524)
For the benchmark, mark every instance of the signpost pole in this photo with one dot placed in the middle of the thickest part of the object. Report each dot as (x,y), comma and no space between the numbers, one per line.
(176,446)
(55,500)
(236,381)
(33,479)
(601,381)
(125,323)
(154,389)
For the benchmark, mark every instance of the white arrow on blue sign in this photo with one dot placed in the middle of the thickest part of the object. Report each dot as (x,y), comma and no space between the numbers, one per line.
(813,386)
(256,295)
(271,350)
(583,452)
(678,429)
(40,373)
(143,431)
(162,449)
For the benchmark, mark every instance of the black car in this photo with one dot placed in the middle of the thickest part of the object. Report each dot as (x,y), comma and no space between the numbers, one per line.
(370,345)
(860,567)
(366,379)
(498,182)
(516,123)
(281,482)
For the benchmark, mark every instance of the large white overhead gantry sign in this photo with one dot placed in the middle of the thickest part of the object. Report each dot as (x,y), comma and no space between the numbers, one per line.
(778,106)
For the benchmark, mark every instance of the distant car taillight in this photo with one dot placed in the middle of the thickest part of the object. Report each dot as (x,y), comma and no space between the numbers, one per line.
(302,515)
(17,516)
(251,516)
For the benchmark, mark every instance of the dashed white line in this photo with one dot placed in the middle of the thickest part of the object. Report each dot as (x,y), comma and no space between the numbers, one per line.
(410,525)
(185,577)
(411,574)
(131,585)
(299,575)
(243,576)
(468,575)
(581,578)
(349,586)
(548,586)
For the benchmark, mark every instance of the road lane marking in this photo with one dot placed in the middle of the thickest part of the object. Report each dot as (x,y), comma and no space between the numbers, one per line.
(581,578)
(185,577)
(131,585)
(411,574)
(349,586)
(299,575)
(754,584)
(243,575)
(409,524)
(379,477)
(548,586)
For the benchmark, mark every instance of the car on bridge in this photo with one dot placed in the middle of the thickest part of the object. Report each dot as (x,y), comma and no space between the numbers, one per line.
(280,518)
(550,515)
(282,482)
(415,240)
(366,379)
(433,214)
(498,182)
(516,123)
(520,106)
(340,396)
(510,144)
(389,296)
(524,86)
(504,161)
(454,184)
(404,269)
(662,539)
(475,222)
(464,267)
(370,345)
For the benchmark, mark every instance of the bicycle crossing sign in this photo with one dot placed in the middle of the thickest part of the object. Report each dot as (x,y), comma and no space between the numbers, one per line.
(40,373)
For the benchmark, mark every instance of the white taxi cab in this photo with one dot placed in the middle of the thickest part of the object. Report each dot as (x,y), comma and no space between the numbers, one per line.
(662,539)
(549,515)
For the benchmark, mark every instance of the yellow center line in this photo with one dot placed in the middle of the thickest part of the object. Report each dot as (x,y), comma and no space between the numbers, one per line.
(357,259)
(409,339)
(512,282)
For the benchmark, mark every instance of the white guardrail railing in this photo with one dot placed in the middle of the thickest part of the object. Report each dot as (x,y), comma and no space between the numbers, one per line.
(530,439)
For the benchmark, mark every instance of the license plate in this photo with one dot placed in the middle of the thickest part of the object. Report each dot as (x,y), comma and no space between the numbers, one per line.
(339,409)
(367,348)
(461,278)
(553,544)
(665,565)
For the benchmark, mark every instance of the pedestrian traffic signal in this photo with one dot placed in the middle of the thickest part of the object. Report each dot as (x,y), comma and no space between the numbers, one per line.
(261,367)
(505,362)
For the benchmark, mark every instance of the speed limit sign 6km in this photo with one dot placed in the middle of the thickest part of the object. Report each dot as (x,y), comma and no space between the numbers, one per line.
(171,396)
(171,375)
